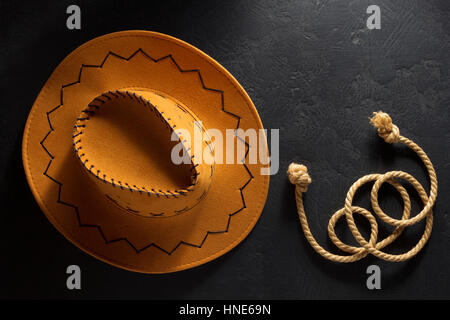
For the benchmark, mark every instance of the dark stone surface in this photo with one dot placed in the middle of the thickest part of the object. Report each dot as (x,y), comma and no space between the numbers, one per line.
(314,71)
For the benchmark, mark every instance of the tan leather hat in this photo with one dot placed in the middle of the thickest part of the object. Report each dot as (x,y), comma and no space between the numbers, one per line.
(98,145)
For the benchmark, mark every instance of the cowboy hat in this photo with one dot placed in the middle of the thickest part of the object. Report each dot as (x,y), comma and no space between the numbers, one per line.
(98,152)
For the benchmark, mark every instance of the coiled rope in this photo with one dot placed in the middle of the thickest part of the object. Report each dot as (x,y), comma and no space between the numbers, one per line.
(298,175)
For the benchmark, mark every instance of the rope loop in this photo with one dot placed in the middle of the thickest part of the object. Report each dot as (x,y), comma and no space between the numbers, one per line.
(298,175)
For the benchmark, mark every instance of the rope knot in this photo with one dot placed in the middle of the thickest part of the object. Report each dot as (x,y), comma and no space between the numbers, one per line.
(386,129)
(298,175)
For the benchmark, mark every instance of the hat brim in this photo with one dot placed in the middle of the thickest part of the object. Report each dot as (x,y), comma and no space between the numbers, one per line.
(129,59)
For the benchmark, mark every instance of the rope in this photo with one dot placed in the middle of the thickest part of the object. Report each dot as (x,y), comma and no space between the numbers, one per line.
(298,175)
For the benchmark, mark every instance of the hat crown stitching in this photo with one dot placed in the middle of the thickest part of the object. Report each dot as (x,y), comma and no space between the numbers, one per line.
(133,96)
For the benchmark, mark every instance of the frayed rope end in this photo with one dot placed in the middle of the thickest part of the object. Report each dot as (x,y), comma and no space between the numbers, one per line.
(298,175)
(386,129)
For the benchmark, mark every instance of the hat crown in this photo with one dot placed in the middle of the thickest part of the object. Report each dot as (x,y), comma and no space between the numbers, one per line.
(126,141)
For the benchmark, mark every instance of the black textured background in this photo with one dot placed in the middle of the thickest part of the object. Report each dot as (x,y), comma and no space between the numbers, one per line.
(314,71)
